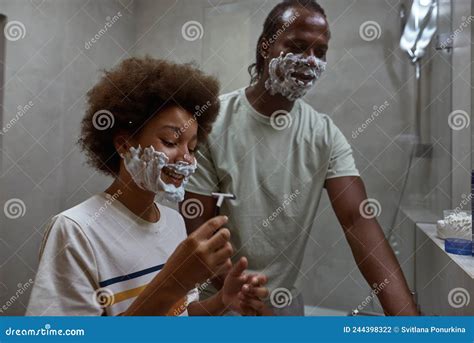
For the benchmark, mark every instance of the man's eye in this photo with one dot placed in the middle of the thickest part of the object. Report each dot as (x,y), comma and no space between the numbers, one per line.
(321,54)
(299,48)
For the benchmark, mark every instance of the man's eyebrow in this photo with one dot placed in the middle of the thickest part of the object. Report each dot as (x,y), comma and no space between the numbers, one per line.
(324,47)
(310,43)
(317,45)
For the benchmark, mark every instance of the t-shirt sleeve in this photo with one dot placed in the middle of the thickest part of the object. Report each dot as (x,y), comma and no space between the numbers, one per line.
(67,277)
(341,162)
(205,180)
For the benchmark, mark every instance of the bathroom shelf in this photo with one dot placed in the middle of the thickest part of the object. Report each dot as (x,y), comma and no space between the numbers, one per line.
(444,282)
(466,263)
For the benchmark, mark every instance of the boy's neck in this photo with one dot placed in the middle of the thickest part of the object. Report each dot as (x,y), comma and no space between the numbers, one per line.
(137,200)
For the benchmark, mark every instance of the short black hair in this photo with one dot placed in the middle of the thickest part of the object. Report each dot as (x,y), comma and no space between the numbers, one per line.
(270,27)
(129,95)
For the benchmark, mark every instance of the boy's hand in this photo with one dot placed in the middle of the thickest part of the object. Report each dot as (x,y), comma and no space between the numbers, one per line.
(238,292)
(204,254)
(252,295)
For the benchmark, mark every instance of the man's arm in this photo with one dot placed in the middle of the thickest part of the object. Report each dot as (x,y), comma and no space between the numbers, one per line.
(369,246)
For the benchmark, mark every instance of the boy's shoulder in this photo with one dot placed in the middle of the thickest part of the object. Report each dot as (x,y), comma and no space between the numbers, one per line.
(86,210)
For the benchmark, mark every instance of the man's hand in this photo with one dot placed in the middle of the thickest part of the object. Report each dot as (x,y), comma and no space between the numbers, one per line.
(202,255)
(244,293)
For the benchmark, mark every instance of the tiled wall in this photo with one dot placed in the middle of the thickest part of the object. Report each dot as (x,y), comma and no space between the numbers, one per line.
(52,68)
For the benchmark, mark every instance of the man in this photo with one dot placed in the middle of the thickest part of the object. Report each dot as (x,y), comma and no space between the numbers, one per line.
(276,153)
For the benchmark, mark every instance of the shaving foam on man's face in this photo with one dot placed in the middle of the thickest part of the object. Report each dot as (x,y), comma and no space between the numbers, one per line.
(146,169)
(293,75)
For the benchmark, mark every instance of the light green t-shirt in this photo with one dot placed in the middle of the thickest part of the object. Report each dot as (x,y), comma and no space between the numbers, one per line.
(277,169)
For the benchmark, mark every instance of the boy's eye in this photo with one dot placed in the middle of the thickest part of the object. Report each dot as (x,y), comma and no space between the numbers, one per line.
(168,144)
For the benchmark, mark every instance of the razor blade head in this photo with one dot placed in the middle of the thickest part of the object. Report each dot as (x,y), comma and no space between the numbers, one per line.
(221,196)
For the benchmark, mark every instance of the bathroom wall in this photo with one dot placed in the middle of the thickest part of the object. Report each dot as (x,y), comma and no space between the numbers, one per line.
(441,181)
(461,91)
(41,165)
(368,78)
(2,71)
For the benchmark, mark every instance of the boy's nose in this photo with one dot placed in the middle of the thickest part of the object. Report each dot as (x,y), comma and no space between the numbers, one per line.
(188,158)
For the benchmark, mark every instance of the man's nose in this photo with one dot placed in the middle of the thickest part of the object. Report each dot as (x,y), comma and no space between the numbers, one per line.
(311,60)
(310,57)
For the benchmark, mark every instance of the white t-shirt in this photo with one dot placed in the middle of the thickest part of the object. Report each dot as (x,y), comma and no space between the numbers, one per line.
(98,256)
(277,169)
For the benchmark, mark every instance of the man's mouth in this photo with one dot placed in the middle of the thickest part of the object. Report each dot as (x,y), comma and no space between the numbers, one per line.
(175,178)
(304,76)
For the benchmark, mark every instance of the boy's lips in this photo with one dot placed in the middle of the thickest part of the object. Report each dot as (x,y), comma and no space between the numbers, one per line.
(175,179)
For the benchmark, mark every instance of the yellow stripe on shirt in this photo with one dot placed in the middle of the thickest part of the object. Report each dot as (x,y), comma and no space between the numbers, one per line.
(130,293)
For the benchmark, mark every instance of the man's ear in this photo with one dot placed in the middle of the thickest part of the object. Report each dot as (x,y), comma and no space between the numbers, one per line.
(264,46)
(122,143)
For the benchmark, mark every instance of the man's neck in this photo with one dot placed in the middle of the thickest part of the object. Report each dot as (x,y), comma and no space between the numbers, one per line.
(265,103)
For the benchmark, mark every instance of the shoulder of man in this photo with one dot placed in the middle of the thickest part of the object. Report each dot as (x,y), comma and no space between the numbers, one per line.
(314,117)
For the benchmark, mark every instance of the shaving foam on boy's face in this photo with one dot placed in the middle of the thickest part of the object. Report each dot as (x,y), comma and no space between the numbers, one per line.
(293,75)
(146,168)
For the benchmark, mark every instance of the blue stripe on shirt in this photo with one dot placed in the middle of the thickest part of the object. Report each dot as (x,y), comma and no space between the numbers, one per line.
(130,276)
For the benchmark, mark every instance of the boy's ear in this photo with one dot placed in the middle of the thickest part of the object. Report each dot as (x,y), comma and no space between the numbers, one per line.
(122,143)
